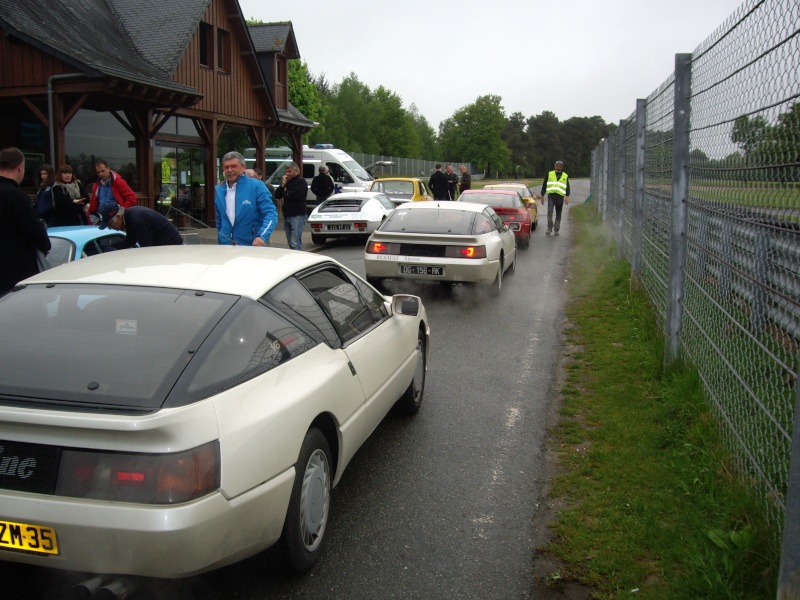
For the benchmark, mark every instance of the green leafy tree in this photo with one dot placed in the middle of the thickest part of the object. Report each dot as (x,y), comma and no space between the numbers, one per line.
(475,134)
(544,131)
(356,118)
(304,94)
(748,133)
(579,136)
(516,139)
(776,149)
(428,147)
(397,135)
(786,135)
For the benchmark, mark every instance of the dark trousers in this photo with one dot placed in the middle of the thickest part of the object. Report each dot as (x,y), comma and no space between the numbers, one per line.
(557,202)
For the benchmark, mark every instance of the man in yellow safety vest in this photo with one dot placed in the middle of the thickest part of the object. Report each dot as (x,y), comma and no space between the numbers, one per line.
(556,189)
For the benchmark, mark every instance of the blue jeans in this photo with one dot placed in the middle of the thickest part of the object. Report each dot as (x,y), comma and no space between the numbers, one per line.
(294,231)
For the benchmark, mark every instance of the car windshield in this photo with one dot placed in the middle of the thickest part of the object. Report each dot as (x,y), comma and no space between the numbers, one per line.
(494,200)
(415,220)
(394,188)
(524,192)
(118,347)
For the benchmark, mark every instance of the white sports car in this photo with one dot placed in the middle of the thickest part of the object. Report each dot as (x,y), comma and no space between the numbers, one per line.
(167,411)
(350,214)
(442,241)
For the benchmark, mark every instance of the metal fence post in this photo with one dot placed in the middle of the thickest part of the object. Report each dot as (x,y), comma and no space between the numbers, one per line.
(607,163)
(623,126)
(789,573)
(680,193)
(601,206)
(638,196)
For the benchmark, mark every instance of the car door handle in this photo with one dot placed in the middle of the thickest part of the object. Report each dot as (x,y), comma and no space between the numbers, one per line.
(352,368)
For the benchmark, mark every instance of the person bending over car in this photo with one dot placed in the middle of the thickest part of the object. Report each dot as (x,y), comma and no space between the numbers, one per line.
(142,226)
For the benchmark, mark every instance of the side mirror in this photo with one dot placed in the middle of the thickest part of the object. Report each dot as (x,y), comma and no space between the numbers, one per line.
(405,305)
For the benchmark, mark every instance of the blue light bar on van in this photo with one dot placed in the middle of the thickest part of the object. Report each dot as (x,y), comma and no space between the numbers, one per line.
(323,146)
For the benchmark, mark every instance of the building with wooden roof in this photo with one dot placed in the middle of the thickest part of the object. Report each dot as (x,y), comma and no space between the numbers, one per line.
(151,87)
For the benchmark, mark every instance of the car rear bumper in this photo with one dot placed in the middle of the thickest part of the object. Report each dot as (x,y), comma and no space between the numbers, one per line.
(153,541)
(472,271)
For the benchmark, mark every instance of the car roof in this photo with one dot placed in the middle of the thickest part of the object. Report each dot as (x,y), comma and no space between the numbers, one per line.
(80,234)
(502,191)
(398,179)
(498,185)
(241,270)
(443,205)
(359,195)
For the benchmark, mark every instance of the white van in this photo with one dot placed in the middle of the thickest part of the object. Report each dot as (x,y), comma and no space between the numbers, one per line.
(347,174)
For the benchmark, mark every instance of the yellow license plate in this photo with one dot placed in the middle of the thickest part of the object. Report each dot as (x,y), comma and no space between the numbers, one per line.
(31,538)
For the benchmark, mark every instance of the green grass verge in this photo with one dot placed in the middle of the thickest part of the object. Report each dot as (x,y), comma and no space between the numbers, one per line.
(651,506)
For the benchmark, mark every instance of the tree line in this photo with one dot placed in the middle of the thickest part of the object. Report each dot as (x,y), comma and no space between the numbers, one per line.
(356,118)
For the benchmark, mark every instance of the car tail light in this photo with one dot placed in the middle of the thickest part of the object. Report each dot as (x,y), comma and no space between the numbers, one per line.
(361,226)
(465,252)
(141,478)
(316,226)
(381,248)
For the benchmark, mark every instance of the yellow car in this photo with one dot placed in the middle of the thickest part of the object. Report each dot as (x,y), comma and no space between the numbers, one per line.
(402,189)
(532,201)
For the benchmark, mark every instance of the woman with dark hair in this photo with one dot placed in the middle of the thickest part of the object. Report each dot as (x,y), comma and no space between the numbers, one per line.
(44,196)
(68,199)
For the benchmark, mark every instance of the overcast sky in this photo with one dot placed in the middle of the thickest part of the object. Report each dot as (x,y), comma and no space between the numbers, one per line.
(576,58)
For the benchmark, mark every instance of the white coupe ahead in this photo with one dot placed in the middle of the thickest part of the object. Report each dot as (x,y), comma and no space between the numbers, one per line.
(442,241)
(348,215)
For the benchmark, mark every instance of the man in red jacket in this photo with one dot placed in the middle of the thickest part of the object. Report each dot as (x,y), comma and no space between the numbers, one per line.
(109,189)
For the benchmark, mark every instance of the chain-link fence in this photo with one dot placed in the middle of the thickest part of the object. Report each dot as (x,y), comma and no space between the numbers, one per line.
(701,187)
(407,167)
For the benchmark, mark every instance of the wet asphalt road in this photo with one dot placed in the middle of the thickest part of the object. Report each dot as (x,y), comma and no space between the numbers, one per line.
(445,504)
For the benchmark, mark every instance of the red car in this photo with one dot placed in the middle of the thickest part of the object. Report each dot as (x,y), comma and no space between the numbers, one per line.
(509,206)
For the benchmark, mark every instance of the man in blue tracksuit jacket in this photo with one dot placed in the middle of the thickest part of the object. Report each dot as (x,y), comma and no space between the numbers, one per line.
(246,215)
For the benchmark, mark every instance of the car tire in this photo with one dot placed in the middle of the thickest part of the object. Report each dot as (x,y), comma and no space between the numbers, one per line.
(301,541)
(512,268)
(526,243)
(319,240)
(411,400)
(497,285)
(377,283)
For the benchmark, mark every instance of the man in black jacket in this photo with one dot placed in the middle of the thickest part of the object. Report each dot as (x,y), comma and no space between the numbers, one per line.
(142,226)
(293,190)
(322,185)
(21,231)
(452,182)
(438,184)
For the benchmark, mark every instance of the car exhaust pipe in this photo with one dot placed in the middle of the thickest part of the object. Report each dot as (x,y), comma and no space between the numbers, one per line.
(84,589)
(457,285)
(120,589)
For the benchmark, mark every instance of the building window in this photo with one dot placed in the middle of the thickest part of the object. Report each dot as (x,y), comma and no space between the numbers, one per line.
(91,135)
(281,83)
(206,37)
(223,50)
